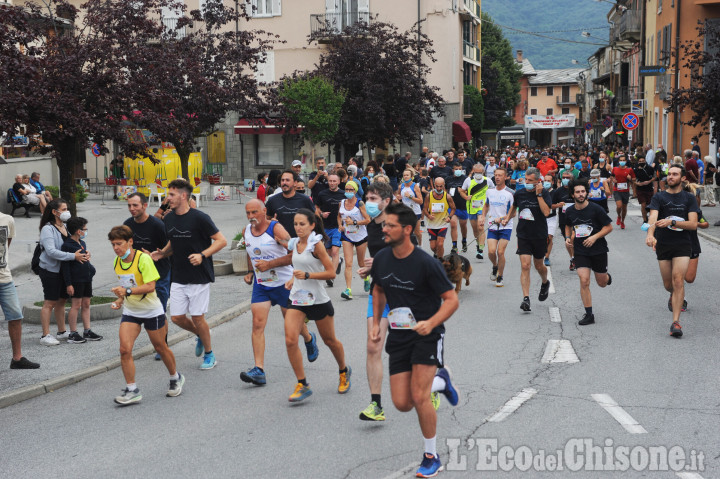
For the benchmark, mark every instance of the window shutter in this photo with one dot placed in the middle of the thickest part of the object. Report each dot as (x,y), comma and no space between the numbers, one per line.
(659,47)
(277,8)
(266,68)
(668,36)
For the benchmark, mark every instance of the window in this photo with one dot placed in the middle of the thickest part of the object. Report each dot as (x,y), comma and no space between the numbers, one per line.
(533,91)
(533,111)
(549,91)
(659,10)
(566,111)
(565,94)
(549,111)
(270,150)
(264,8)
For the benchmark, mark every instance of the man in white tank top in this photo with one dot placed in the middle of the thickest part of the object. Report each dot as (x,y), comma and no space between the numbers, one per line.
(270,268)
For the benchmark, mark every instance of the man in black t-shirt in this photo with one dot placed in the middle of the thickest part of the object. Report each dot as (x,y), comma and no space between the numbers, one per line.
(673,213)
(441,170)
(532,205)
(284,206)
(561,200)
(587,224)
(644,185)
(327,206)
(192,240)
(421,299)
(317,181)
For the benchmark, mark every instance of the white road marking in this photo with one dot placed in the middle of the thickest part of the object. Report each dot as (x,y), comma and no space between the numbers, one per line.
(688,475)
(552,284)
(512,405)
(555,315)
(620,415)
(559,351)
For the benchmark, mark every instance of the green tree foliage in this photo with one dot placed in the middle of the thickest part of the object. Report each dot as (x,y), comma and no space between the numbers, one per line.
(312,101)
(500,75)
(475,106)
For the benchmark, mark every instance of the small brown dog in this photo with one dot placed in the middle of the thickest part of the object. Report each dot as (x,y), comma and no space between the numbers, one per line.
(457,267)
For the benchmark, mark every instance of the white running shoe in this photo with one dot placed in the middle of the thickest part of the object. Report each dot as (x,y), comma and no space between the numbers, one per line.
(49,341)
(63,335)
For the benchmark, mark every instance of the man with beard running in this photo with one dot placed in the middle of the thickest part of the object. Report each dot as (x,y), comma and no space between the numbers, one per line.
(673,214)
(587,224)
(498,210)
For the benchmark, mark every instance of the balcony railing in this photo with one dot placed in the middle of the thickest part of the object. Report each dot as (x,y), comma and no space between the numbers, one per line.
(471,51)
(334,23)
(629,25)
(566,100)
(626,94)
(170,25)
(472,8)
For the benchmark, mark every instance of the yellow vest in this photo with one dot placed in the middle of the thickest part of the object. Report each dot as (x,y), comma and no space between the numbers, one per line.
(441,207)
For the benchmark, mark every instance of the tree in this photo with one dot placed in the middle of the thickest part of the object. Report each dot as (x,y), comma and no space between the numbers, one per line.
(377,66)
(500,75)
(475,106)
(702,66)
(312,101)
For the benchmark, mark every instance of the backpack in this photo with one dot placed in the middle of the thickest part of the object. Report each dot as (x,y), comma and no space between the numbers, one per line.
(35,261)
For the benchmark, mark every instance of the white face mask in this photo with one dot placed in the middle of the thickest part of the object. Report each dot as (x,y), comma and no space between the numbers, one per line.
(64,216)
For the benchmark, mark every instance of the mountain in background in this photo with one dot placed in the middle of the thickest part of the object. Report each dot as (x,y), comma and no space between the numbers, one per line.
(556,16)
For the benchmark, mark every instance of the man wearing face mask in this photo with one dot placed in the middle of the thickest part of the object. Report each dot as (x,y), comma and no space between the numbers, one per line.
(454,186)
(438,208)
(622,177)
(551,219)
(533,205)
(645,182)
(475,191)
(587,226)
(569,167)
(561,200)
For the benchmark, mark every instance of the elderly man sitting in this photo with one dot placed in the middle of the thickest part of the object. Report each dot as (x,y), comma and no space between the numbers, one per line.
(27,192)
(35,182)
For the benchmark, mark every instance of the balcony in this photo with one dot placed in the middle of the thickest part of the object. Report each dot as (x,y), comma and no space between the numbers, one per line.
(328,24)
(471,9)
(566,100)
(629,26)
(471,53)
(626,94)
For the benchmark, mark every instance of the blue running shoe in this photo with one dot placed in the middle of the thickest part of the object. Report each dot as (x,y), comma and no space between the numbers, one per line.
(430,466)
(157,357)
(209,361)
(450,392)
(253,375)
(312,349)
(199,348)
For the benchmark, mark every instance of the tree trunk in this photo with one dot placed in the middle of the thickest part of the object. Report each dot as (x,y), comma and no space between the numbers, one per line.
(184,155)
(65,155)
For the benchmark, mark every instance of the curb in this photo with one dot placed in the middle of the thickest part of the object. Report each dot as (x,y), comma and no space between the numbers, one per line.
(709,237)
(50,385)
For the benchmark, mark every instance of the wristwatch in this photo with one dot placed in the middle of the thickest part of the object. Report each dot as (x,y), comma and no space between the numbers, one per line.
(355,222)
(128,291)
(307,275)
(201,254)
(672,223)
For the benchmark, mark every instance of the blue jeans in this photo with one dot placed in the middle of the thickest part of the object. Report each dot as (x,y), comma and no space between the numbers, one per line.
(162,288)
(9,302)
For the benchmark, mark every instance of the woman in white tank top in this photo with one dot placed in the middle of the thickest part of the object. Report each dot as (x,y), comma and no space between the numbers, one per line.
(411,196)
(311,267)
(352,221)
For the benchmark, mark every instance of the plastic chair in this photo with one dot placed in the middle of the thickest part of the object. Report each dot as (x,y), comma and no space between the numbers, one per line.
(154,191)
(204,187)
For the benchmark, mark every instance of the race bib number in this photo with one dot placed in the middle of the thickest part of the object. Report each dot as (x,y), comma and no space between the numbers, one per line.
(565,207)
(583,231)
(266,276)
(127,280)
(526,214)
(437,208)
(476,204)
(595,194)
(676,218)
(351,228)
(302,297)
(622,186)
(452,191)
(401,318)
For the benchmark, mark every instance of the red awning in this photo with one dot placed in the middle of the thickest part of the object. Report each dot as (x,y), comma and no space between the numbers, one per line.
(260,126)
(461,132)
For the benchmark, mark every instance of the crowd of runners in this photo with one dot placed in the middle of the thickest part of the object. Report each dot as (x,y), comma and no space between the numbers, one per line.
(377,213)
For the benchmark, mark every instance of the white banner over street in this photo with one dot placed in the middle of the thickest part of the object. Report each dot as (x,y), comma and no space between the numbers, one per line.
(549,121)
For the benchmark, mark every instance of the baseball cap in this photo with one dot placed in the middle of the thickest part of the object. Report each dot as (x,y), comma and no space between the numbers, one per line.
(297,163)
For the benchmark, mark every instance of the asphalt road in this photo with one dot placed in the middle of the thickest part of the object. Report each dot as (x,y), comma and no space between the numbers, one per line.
(633,390)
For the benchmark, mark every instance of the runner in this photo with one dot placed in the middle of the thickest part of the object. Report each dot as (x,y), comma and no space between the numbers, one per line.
(673,214)
(533,204)
(696,250)
(438,209)
(585,230)
(192,240)
(421,299)
(599,189)
(498,211)
(327,205)
(475,189)
(269,264)
(552,218)
(311,265)
(644,185)
(622,176)
(562,200)
(140,306)
(454,185)
(411,196)
(282,207)
(352,220)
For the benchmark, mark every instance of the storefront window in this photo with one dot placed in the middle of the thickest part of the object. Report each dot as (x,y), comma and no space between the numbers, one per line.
(270,150)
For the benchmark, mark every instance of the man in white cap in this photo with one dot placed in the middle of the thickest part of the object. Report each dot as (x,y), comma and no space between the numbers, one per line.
(297,168)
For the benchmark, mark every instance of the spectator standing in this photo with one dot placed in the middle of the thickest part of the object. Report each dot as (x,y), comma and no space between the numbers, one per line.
(317,182)
(262,186)
(117,169)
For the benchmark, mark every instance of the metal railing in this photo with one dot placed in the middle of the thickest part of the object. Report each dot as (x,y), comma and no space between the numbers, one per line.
(170,25)
(336,22)
(471,51)
(472,7)
(566,100)
(627,93)
(629,25)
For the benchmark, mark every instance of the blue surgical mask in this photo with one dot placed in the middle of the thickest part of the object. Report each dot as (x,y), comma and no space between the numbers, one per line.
(84,234)
(621,163)
(127,253)
(458,172)
(373,209)
(547,185)
(407,182)
(565,181)
(529,186)
(349,195)
(370,175)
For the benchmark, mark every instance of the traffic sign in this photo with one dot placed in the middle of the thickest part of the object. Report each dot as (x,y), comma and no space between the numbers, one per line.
(588,126)
(607,122)
(96,149)
(637,107)
(630,121)
(578,132)
(652,70)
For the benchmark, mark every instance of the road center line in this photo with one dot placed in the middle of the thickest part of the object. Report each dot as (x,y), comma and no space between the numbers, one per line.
(512,405)
(559,351)
(688,475)
(552,284)
(555,314)
(619,414)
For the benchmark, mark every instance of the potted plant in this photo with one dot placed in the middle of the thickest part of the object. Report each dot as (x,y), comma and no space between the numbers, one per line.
(239,254)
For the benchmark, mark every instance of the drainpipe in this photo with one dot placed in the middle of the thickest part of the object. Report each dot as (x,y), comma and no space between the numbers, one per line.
(677,140)
(419,62)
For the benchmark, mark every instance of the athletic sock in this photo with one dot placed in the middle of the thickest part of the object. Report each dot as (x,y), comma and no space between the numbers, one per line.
(302,381)
(454,244)
(376,399)
(438,384)
(175,377)
(588,310)
(430,446)
(86,330)
(526,298)
(261,369)
(464,240)
(132,386)
(481,247)
(343,370)
(208,353)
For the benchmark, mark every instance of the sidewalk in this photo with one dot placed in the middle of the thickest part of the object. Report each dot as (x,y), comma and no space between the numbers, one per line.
(228,297)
